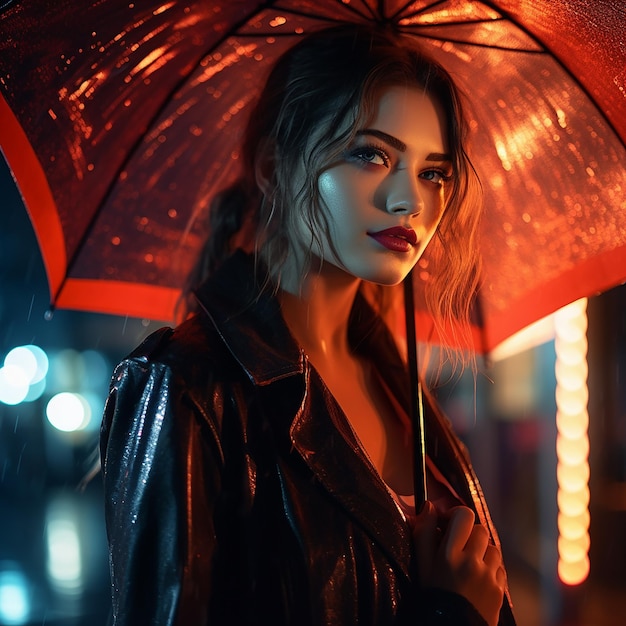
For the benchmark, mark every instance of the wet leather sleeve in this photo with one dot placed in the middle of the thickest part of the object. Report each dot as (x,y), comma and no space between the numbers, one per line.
(149,447)
(446,608)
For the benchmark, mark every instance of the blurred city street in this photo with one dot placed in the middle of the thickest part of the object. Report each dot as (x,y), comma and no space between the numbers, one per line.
(53,558)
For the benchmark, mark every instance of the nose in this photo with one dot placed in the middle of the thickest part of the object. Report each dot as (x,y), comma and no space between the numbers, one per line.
(403,195)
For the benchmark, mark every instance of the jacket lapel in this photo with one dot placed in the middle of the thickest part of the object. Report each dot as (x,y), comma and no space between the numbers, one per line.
(329,447)
(250,322)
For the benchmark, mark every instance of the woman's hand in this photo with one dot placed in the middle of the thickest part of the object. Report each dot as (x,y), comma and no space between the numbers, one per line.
(460,559)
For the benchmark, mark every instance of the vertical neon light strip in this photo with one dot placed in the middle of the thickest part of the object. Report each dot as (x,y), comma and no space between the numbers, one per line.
(572,442)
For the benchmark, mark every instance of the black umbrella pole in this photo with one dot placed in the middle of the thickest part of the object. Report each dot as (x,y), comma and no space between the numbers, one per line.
(417,405)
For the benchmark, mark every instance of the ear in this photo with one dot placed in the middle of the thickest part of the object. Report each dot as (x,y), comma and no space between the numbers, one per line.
(264,167)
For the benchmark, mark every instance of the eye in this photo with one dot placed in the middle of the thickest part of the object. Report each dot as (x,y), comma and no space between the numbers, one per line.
(370,155)
(436,176)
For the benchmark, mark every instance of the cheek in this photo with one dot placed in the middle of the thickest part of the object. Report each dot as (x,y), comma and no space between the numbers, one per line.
(436,209)
(339,193)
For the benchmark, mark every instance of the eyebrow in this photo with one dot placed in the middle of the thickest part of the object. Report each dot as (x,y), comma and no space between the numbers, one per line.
(394,142)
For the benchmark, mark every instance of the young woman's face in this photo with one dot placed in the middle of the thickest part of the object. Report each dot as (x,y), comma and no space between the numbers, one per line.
(384,198)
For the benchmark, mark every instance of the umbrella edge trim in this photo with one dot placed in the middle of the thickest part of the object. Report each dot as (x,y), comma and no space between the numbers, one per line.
(35,191)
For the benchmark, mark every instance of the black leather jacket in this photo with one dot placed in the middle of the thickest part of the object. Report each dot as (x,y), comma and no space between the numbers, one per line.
(236,492)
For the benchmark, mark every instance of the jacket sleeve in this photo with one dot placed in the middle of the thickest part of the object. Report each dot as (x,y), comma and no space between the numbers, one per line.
(445,608)
(157,482)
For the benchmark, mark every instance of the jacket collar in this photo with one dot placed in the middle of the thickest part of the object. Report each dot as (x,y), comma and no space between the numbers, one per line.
(251,325)
(250,322)
(247,316)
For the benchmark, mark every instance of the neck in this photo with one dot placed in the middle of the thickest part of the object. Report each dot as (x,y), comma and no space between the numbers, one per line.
(317,311)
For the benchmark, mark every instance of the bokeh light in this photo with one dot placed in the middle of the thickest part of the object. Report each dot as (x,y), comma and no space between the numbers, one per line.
(24,359)
(23,376)
(14,384)
(572,442)
(64,553)
(68,412)
(15,604)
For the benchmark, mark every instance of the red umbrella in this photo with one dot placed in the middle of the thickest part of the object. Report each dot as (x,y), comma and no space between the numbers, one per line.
(120,119)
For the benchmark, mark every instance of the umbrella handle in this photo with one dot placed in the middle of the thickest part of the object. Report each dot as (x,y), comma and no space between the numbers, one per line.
(417,403)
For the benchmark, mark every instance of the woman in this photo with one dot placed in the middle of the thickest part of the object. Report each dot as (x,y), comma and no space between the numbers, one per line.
(257,459)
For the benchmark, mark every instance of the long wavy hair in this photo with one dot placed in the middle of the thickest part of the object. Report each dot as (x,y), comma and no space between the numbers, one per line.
(317,96)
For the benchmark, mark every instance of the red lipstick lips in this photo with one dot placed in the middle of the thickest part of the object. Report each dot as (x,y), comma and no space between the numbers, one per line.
(397,239)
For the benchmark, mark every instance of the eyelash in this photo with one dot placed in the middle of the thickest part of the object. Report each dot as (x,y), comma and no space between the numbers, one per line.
(444,176)
(358,153)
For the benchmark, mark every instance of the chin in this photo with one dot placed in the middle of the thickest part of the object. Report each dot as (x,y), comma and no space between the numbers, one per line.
(386,281)
(386,276)
(386,270)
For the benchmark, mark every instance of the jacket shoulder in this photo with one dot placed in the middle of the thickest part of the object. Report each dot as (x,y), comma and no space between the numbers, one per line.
(193,344)
(152,343)
(187,368)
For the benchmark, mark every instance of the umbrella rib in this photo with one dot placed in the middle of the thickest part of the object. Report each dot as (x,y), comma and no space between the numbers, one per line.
(368,9)
(429,7)
(71,262)
(457,22)
(424,9)
(508,16)
(474,43)
(410,32)
(267,33)
(258,33)
(325,18)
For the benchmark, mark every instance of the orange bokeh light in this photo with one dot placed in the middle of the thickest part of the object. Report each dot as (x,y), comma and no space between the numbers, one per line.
(572,442)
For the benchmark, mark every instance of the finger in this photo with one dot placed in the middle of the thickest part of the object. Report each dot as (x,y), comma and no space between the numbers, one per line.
(501,577)
(459,530)
(478,541)
(493,557)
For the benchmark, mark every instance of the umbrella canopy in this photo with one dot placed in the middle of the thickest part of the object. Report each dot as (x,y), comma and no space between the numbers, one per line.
(120,120)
